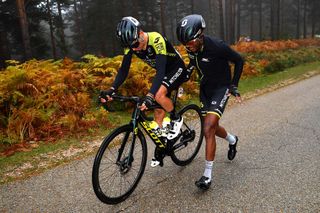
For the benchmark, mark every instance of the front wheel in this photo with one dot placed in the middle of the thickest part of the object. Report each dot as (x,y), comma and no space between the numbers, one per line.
(188,145)
(119,165)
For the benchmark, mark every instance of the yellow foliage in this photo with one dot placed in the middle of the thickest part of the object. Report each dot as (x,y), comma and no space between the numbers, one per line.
(41,98)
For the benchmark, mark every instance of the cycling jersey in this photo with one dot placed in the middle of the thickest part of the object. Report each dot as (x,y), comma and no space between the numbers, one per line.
(212,63)
(159,54)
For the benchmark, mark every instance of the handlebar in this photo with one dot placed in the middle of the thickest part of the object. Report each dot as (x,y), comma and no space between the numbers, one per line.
(135,99)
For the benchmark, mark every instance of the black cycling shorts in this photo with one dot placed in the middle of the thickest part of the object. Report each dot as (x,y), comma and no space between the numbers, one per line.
(214,100)
(175,77)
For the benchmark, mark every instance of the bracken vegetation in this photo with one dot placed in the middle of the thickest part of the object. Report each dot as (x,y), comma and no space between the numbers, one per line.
(44,100)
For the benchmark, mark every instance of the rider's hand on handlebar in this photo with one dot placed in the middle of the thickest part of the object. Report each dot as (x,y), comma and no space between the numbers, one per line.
(106,95)
(147,102)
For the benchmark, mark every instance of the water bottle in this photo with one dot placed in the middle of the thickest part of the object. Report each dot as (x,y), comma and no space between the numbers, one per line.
(155,128)
(166,126)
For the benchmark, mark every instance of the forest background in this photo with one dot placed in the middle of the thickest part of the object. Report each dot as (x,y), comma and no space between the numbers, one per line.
(55,56)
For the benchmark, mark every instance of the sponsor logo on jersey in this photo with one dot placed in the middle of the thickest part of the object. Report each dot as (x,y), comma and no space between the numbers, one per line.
(178,73)
(205,60)
(225,98)
(159,47)
(157,40)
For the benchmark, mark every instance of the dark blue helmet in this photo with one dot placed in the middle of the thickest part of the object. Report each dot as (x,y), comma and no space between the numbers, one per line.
(128,30)
(190,27)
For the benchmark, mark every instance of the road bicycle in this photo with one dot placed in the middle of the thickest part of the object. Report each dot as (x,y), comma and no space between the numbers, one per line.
(121,159)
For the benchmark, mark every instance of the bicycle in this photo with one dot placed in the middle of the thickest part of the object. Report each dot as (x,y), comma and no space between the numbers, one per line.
(124,150)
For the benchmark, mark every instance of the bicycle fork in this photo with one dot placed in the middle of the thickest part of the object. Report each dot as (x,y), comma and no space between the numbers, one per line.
(125,162)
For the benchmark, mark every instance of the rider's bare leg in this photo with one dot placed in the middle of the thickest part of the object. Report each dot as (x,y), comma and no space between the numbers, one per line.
(221,132)
(165,102)
(159,114)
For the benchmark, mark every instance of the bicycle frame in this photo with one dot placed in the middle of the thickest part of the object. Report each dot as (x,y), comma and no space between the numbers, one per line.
(122,142)
(139,118)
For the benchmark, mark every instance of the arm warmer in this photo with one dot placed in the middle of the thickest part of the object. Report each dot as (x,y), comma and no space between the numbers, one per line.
(235,58)
(123,71)
(161,61)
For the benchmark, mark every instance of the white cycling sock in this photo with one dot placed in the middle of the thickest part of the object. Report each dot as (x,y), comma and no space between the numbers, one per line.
(230,138)
(208,170)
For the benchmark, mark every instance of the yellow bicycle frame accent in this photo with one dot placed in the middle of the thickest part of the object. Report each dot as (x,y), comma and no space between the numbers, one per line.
(152,135)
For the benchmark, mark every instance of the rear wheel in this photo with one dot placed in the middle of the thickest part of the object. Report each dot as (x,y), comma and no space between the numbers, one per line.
(188,145)
(119,165)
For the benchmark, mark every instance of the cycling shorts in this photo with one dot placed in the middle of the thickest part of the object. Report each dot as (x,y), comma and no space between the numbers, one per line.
(175,77)
(214,100)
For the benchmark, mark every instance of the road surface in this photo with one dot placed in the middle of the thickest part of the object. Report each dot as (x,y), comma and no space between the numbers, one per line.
(277,168)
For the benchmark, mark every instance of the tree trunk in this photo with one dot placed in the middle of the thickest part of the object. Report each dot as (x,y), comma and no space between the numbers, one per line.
(278,20)
(53,43)
(305,19)
(251,18)
(82,25)
(61,31)
(210,26)
(272,20)
(230,8)
(282,15)
(232,24)
(298,20)
(78,28)
(175,40)
(135,9)
(313,18)
(4,48)
(220,9)
(260,20)
(24,29)
(192,7)
(123,6)
(162,14)
(238,20)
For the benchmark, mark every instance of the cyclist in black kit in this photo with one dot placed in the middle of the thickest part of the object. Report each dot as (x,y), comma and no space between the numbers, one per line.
(157,52)
(211,57)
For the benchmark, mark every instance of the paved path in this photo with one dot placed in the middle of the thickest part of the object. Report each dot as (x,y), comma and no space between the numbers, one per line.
(277,168)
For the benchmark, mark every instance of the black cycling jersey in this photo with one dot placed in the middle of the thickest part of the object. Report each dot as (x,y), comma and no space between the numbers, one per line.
(212,63)
(159,54)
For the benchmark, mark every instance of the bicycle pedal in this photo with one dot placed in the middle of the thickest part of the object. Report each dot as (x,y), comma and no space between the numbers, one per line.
(154,163)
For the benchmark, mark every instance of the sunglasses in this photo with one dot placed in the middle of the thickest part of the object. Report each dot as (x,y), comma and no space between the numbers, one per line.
(135,44)
(192,42)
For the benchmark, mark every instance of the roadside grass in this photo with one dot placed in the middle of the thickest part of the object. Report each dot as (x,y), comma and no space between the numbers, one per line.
(48,155)
(272,81)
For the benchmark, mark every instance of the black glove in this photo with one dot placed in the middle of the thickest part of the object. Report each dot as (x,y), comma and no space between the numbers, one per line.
(148,101)
(188,73)
(234,91)
(105,93)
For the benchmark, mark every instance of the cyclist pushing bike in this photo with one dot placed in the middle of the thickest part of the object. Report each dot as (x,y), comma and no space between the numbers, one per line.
(211,57)
(160,54)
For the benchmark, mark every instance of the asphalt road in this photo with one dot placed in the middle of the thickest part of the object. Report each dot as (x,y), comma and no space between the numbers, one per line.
(277,168)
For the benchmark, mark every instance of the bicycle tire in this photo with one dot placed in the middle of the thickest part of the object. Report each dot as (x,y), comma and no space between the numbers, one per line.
(108,173)
(192,118)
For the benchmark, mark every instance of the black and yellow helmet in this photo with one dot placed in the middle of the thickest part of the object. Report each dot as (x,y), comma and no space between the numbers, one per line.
(190,27)
(128,30)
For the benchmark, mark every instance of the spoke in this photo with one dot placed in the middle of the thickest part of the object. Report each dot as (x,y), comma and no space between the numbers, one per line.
(113,182)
